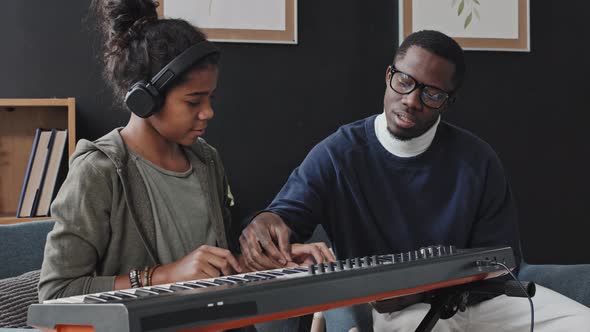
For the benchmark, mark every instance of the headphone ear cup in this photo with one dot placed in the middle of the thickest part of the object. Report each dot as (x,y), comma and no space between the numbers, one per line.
(143,100)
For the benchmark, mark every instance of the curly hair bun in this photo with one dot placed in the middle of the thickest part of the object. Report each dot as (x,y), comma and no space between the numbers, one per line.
(119,16)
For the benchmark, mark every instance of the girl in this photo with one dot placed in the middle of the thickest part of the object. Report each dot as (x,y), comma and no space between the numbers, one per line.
(139,200)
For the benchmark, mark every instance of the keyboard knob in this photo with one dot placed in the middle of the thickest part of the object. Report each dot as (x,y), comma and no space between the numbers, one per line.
(366,261)
(348,264)
(329,267)
(357,262)
(374,260)
(311,269)
(321,268)
(339,265)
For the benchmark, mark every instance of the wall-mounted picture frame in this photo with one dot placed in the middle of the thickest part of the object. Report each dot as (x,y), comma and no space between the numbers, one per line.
(243,21)
(482,25)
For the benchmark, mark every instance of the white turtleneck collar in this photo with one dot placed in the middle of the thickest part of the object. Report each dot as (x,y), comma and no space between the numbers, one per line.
(397,147)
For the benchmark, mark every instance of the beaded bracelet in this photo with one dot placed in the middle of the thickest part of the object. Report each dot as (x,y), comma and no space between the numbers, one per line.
(134,278)
(146,281)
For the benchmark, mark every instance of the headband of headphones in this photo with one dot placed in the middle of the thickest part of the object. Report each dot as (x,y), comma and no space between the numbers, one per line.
(144,99)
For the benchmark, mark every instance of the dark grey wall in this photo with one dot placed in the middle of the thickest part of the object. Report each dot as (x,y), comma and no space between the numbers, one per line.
(276,101)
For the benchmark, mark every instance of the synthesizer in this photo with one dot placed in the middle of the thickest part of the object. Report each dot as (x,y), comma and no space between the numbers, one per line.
(244,299)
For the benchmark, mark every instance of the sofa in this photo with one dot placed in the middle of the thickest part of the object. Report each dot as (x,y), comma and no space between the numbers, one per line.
(21,255)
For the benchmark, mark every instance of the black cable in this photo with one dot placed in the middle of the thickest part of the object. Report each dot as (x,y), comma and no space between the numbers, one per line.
(524,290)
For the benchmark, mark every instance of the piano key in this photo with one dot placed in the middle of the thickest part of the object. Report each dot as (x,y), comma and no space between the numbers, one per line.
(145,292)
(275,273)
(110,297)
(125,294)
(193,284)
(179,287)
(77,299)
(289,271)
(254,277)
(222,281)
(269,276)
(94,299)
(206,283)
(237,279)
(160,289)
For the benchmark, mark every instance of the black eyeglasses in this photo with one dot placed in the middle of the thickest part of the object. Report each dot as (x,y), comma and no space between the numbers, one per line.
(405,84)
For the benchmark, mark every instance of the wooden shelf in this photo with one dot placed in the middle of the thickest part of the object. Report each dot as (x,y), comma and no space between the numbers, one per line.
(13,220)
(19,118)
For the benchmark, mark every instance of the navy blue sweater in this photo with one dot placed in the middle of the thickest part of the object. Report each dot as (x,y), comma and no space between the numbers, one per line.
(370,201)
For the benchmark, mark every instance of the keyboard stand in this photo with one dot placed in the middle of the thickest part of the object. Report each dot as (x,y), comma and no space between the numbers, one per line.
(445,303)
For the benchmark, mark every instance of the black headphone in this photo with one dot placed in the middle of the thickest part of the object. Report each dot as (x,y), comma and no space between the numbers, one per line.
(145,99)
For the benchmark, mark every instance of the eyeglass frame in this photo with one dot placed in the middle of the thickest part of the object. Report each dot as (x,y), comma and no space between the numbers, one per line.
(419,85)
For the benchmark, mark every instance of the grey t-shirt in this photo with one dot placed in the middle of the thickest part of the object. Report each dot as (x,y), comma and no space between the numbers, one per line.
(179,207)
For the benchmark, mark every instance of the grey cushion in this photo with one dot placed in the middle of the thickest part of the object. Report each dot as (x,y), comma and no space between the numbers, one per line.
(16,294)
(572,280)
(22,246)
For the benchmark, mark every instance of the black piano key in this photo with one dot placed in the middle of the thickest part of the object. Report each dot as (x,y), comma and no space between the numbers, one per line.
(145,292)
(300,269)
(238,279)
(221,281)
(193,284)
(218,283)
(263,274)
(94,299)
(110,297)
(254,278)
(275,273)
(206,283)
(290,271)
(161,290)
(179,287)
(125,295)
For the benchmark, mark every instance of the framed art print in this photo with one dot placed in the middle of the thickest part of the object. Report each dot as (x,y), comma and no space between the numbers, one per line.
(496,25)
(251,21)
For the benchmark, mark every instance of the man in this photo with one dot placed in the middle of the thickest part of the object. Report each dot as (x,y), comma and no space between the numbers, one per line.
(404,179)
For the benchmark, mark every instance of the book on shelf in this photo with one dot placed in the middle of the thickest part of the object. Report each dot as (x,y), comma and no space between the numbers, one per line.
(56,171)
(22,206)
(42,172)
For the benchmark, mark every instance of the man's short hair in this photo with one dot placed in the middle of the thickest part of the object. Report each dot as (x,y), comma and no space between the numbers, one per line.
(440,44)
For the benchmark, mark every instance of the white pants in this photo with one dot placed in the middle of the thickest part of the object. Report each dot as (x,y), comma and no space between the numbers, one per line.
(553,312)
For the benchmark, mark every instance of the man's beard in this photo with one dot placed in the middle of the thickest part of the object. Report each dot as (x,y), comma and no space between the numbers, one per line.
(401,138)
